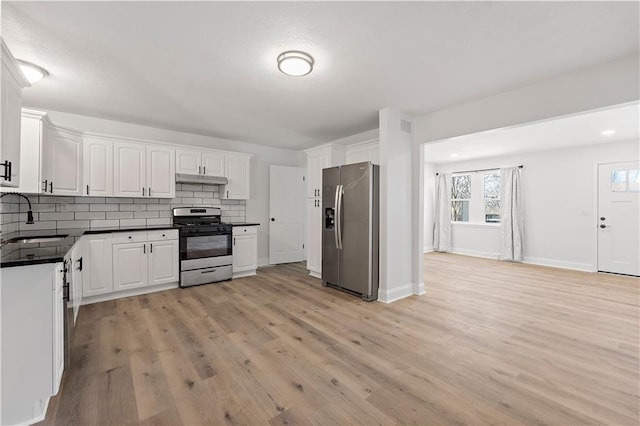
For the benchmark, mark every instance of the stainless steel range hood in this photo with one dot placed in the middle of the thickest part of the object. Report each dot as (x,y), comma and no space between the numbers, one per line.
(208,180)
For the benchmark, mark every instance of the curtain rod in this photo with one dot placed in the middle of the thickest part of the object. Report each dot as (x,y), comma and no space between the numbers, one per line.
(481,170)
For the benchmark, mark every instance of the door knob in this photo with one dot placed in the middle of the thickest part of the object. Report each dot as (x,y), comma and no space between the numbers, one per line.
(603,226)
(602,218)
(273,219)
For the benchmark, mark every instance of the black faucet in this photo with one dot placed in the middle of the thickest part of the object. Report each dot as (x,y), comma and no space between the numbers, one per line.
(29,213)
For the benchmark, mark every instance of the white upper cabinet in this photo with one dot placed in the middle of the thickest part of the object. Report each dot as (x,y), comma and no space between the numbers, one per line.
(12,82)
(237,172)
(129,169)
(65,162)
(189,161)
(98,166)
(213,163)
(318,159)
(161,172)
(361,152)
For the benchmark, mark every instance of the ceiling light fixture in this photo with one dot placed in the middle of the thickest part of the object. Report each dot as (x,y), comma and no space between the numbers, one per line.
(295,63)
(608,132)
(33,72)
(454,155)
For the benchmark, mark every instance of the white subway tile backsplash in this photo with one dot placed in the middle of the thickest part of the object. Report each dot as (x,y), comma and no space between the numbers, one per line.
(89,200)
(145,201)
(51,212)
(103,207)
(133,222)
(119,215)
(144,215)
(72,207)
(55,216)
(89,215)
(191,187)
(104,223)
(61,224)
(159,221)
(22,226)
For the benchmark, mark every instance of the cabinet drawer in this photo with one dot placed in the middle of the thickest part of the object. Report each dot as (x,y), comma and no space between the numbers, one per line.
(163,234)
(245,230)
(129,237)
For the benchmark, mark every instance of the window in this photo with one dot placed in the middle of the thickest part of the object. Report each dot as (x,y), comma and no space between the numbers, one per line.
(460,198)
(492,197)
(475,197)
(625,180)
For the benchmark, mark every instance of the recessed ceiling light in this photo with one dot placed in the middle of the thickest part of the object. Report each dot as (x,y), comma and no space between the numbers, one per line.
(33,72)
(454,155)
(295,63)
(608,132)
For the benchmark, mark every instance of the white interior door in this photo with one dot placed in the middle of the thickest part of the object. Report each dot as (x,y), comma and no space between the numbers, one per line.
(286,214)
(618,218)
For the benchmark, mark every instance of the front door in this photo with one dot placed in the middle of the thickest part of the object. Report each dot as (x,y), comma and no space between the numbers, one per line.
(618,218)
(286,214)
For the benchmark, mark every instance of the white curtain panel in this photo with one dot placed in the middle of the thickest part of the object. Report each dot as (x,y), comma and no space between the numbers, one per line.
(511,215)
(442,226)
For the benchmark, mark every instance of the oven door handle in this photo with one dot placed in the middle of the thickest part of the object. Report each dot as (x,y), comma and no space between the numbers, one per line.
(208,272)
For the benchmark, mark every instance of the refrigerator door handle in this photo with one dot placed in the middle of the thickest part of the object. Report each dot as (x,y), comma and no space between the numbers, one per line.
(338,213)
(336,220)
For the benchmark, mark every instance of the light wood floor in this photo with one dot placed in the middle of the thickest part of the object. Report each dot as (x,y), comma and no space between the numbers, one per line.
(490,343)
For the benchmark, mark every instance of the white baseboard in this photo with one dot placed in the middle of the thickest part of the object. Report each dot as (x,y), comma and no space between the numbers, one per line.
(576,266)
(128,293)
(397,293)
(475,253)
(245,274)
(428,249)
(315,274)
(541,261)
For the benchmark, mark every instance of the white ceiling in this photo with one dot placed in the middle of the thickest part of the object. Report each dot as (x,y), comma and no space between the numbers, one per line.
(210,67)
(564,132)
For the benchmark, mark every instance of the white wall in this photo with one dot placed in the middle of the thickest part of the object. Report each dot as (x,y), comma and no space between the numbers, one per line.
(257,207)
(560,208)
(396,208)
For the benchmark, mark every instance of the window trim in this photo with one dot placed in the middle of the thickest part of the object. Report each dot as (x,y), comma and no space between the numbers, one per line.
(477,215)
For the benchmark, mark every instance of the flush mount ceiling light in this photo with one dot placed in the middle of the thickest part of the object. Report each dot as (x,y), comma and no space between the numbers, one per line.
(608,132)
(454,155)
(33,72)
(295,63)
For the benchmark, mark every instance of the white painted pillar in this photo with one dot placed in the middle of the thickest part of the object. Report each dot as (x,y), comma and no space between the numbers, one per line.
(397,207)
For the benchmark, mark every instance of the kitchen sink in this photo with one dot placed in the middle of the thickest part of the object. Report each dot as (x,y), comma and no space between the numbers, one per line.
(37,239)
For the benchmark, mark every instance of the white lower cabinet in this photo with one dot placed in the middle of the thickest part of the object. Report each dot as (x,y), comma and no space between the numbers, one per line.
(163,267)
(97,271)
(58,328)
(314,236)
(129,266)
(128,263)
(245,251)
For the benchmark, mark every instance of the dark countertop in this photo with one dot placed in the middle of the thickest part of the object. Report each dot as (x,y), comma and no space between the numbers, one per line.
(23,254)
(243,223)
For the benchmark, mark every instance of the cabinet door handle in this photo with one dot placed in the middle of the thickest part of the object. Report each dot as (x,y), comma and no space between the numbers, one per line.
(51,187)
(87,189)
(143,188)
(199,170)
(45,182)
(144,248)
(227,193)
(79,268)
(204,170)
(234,241)
(7,170)
(151,247)
(149,191)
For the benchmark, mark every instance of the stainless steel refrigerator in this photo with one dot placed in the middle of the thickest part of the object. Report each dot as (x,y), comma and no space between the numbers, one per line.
(350,228)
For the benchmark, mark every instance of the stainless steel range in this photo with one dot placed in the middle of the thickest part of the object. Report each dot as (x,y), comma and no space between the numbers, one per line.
(205,246)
